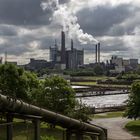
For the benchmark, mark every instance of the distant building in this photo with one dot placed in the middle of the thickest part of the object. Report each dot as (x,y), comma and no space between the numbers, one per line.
(126,62)
(55,54)
(74,58)
(134,63)
(116,61)
(37,64)
(66,59)
(63,51)
(119,65)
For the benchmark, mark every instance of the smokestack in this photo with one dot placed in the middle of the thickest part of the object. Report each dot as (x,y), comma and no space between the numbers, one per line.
(96,53)
(99,53)
(62,47)
(55,44)
(71,45)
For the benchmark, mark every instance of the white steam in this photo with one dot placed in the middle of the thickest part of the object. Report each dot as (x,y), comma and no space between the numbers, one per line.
(50,4)
(62,15)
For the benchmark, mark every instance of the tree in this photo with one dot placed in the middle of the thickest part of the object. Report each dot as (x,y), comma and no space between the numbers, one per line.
(17,83)
(138,70)
(82,112)
(98,70)
(57,95)
(133,103)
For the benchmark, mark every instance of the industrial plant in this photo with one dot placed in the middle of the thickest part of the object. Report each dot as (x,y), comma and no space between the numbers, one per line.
(66,59)
(60,57)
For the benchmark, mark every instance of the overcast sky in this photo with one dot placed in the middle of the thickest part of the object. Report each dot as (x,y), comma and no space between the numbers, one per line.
(29,27)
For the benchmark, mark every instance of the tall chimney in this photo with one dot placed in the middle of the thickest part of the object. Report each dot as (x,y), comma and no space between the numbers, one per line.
(62,47)
(99,53)
(71,45)
(96,46)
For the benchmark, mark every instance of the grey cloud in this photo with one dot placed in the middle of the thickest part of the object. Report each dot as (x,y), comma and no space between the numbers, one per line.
(7,30)
(99,21)
(13,50)
(102,21)
(18,45)
(20,12)
(46,43)
(63,1)
(107,45)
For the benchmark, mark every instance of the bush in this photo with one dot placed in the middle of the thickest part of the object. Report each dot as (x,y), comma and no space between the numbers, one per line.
(47,138)
(133,102)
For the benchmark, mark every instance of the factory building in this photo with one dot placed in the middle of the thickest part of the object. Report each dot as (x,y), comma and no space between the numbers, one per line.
(37,64)
(63,51)
(66,59)
(133,63)
(55,54)
(119,65)
(97,53)
(74,58)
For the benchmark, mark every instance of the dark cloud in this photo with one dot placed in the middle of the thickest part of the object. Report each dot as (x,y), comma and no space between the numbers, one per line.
(12,49)
(99,21)
(20,12)
(18,45)
(103,21)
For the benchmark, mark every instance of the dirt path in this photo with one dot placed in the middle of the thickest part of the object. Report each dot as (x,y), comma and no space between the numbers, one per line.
(115,128)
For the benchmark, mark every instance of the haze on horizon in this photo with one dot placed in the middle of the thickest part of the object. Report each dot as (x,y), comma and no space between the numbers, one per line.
(27,30)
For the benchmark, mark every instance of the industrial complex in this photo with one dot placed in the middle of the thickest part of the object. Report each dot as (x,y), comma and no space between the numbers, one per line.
(62,58)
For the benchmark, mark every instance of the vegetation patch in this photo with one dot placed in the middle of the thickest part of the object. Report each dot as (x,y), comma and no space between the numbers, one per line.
(25,131)
(108,115)
(84,83)
(133,127)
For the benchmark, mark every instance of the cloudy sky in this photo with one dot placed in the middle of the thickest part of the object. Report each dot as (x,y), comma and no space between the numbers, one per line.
(29,27)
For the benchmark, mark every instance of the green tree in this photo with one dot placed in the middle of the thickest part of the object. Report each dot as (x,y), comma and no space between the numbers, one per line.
(98,70)
(47,138)
(57,95)
(133,103)
(82,112)
(138,70)
(15,82)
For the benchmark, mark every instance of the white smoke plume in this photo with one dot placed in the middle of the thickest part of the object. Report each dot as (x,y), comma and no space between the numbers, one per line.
(64,16)
(49,4)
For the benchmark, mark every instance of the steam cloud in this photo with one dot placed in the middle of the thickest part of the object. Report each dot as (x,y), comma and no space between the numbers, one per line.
(62,15)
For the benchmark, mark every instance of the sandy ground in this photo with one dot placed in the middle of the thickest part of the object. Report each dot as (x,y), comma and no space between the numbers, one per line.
(115,128)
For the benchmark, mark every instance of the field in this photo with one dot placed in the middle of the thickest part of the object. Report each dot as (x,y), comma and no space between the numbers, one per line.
(93,77)
(83,80)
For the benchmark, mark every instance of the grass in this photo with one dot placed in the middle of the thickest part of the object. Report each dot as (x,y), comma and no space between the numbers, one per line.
(25,131)
(133,127)
(99,85)
(108,115)
(94,77)
(84,83)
